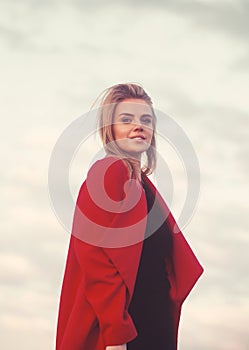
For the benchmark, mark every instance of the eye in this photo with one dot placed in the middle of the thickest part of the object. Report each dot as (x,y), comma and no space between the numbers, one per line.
(147,121)
(126,120)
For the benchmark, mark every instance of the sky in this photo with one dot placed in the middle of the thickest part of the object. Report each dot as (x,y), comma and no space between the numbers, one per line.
(192,57)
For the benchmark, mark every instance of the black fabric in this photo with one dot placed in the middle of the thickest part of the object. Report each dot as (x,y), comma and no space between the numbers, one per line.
(150,308)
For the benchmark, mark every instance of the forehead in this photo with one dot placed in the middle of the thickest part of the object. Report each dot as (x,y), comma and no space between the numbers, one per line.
(133,106)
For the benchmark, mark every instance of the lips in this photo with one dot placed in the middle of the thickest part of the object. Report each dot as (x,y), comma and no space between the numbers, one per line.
(138,137)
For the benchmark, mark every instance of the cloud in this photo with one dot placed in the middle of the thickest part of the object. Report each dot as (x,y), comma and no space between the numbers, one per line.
(14,268)
(26,319)
(229,17)
(204,325)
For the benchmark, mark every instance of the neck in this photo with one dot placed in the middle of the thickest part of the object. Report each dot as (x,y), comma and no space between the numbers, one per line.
(136,167)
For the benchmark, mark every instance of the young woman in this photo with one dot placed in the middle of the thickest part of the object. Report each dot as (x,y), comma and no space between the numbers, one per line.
(127,272)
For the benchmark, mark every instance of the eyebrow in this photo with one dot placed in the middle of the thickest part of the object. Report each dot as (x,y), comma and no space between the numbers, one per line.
(132,115)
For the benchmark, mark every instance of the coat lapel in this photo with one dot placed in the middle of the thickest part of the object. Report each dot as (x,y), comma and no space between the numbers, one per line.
(184,268)
(126,258)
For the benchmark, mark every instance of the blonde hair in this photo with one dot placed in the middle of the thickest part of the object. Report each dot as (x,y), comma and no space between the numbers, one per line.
(112,96)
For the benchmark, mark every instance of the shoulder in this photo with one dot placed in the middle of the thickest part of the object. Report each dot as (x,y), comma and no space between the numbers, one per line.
(109,173)
(109,165)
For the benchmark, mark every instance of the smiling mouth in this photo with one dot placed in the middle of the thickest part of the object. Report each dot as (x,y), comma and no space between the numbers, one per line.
(138,138)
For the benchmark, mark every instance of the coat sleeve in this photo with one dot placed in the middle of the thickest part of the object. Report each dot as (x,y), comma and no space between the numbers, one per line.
(106,291)
(104,287)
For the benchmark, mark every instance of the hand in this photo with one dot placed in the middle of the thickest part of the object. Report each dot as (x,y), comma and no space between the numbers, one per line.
(116,347)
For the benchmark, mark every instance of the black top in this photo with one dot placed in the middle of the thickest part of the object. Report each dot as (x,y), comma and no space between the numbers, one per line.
(149,308)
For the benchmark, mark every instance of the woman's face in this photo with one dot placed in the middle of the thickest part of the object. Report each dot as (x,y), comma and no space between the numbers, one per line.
(133,126)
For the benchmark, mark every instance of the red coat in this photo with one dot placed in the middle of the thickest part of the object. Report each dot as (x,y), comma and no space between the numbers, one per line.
(103,259)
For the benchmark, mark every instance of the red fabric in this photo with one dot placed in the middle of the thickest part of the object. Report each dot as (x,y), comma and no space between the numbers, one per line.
(99,276)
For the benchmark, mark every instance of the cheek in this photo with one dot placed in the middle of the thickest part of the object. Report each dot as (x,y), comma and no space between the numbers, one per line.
(150,133)
(116,131)
(119,131)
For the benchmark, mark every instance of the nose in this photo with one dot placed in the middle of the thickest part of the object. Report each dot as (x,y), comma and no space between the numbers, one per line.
(137,125)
